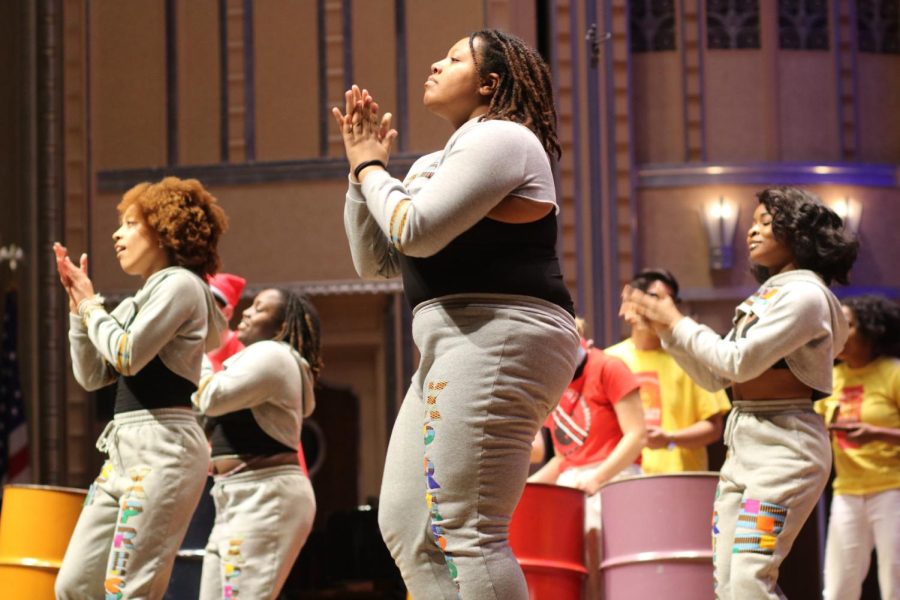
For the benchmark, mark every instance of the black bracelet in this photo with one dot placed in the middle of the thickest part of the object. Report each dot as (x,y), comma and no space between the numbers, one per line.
(367,163)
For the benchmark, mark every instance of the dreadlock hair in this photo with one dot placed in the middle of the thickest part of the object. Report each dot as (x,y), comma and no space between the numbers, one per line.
(301,329)
(524,93)
(877,323)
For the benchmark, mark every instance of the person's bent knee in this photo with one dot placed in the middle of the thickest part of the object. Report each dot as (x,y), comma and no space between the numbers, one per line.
(393,522)
(69,586)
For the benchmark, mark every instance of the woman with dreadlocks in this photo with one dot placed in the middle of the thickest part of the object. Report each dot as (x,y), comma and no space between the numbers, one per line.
(472,231)
(256,404)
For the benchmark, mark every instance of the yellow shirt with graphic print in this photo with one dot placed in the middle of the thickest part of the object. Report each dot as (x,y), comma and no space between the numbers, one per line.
(671,401)
(870,394)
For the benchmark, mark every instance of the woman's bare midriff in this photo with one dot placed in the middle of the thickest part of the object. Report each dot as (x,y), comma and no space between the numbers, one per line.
(774,384)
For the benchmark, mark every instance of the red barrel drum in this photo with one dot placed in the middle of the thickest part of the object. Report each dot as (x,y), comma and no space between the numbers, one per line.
(546,534)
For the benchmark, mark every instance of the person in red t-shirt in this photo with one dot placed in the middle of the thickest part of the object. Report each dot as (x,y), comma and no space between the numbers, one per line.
(226,289)
(597,427)
(598,433)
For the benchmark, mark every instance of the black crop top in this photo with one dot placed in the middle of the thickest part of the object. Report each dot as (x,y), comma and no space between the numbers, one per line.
(154,386)
(492,257)
(239,433)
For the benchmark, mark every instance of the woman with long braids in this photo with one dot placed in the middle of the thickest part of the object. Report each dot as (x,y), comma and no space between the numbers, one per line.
(472,231)
(777,360)
(151,345)
(256,405)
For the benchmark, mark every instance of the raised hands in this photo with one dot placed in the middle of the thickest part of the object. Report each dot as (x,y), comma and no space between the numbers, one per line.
(639,307)
(366,136)
(74,278)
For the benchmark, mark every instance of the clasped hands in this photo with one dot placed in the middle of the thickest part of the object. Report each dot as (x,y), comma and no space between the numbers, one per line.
(366,135)
(74,278)
(655,312)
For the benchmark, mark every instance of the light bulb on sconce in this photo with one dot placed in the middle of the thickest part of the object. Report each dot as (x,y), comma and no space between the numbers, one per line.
(11,254)
(720,220)
(850,211)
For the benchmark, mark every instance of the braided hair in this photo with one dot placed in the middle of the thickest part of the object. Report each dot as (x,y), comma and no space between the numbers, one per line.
(525,92)
(302,331)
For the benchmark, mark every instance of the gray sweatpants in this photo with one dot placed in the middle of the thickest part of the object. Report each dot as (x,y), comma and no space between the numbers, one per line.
(491,369)
(138,509)
(777,464)
(263,518)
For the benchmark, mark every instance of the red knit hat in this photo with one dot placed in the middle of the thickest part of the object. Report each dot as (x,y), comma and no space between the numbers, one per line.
(226,288)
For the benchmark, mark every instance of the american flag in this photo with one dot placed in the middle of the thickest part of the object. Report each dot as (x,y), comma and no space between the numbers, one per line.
(13,431)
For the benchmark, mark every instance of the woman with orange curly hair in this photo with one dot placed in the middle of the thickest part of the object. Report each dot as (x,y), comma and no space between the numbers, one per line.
(138,509)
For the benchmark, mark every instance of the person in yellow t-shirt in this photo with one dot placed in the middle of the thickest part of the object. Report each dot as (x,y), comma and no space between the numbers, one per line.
(863,415)
(681,417)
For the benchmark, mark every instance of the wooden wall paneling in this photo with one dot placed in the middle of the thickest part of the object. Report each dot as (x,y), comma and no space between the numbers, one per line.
(287,85)
(844,37)
(514,16)
(197,74)
(128,84)
(878,98)
(432,27)
(374,25)
(338,68)
(49,174)
(237,83)
(353,340)
(567,60)
(623,217)
(693,32)
(171,68)
(612,187)
(79,431)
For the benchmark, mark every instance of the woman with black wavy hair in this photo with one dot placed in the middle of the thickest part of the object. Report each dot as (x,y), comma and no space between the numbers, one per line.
(863,415)
(777,359)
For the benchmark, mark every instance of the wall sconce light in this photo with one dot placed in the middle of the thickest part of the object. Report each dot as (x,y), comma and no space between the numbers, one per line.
(11,254)
(720,218)
(850,211)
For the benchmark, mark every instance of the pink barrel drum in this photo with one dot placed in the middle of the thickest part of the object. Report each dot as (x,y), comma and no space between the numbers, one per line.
(546,534)
(656,537)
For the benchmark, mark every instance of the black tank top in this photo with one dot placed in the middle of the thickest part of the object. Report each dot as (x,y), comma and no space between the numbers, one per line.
(239,433)
(154,386)
(492,258)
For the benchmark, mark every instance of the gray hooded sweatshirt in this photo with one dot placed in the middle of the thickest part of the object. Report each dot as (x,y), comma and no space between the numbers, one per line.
(173,315)
(793,316)
(272,380)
